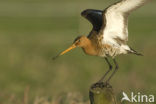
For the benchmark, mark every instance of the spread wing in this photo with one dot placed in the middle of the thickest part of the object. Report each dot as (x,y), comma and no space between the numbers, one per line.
(95,17)
(115,18)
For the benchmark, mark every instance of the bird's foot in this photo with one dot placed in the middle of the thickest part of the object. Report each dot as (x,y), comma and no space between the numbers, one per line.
(101,85)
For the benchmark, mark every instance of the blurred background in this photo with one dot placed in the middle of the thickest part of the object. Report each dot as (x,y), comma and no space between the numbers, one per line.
(33,31)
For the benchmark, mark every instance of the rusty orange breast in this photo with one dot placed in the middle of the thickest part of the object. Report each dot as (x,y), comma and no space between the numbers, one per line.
(90,49)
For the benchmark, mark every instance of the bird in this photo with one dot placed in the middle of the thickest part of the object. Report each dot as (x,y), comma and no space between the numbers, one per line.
(109,34)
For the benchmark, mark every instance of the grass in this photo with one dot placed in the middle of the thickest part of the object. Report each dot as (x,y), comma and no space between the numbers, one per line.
(32,32)
(62,98)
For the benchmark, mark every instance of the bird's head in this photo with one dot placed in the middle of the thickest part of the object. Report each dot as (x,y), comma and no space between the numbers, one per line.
(80,41)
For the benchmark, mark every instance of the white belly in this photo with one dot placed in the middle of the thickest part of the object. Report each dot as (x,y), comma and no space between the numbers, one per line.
(114,51)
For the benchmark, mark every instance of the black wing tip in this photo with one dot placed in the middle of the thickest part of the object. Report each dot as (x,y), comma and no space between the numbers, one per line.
(87,11)
(93,16)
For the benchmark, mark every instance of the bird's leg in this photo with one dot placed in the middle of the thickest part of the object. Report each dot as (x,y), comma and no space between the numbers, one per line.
(101,82)
(110,68)
(116,68)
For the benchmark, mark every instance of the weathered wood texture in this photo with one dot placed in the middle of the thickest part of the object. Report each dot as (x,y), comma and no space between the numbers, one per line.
(102,94)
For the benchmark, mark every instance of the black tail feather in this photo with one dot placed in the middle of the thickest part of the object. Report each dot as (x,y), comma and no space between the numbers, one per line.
(132,51)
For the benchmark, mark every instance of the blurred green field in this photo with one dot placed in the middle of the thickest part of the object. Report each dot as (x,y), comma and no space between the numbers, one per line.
(33,31)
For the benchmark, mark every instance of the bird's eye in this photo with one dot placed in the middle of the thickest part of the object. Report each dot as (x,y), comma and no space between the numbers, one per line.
(78,41)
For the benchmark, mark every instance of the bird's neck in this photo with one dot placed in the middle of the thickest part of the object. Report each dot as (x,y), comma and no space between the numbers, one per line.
(90,48)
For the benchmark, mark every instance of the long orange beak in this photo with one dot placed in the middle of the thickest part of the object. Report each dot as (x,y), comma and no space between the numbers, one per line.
(65,51)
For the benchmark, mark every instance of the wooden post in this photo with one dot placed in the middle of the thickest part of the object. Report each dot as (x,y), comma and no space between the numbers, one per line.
(102,93)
